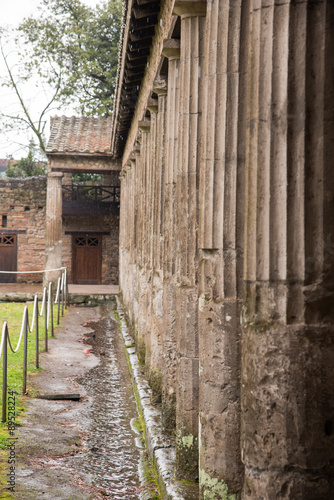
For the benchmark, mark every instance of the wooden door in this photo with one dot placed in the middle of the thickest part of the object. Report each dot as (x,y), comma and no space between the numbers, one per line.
(86,259)
(8,257)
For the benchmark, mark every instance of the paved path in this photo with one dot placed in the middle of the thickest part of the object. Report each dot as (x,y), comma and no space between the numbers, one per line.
(58,439)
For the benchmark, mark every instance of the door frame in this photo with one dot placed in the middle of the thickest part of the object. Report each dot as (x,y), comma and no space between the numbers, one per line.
(13,277)
(74,267)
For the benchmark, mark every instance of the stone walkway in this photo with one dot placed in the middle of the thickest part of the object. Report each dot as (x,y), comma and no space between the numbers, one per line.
(57,439)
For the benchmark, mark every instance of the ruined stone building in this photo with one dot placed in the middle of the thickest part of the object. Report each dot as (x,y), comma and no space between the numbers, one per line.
(82,221)
(224,125)
(50,222)
(22,228)
(223,136)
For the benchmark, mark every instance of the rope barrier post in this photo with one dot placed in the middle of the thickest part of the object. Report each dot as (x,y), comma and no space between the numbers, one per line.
(58,301)
(66,290)
(62,300)
(25,352)
(51,306)
(4,375)
(37,332)
(46,327)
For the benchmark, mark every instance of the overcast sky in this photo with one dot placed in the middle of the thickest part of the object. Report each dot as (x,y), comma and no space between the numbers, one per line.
(12,13)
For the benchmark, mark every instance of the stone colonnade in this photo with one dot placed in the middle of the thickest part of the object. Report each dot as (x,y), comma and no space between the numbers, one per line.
(53,237)
(226,244)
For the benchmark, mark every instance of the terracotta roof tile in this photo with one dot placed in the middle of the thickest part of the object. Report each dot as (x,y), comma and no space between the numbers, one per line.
(80,135)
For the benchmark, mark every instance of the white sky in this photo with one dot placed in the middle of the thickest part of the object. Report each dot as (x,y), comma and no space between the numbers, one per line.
(12,13)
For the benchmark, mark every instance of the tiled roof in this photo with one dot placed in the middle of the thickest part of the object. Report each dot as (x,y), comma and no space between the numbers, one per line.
(79,135)
(4,163)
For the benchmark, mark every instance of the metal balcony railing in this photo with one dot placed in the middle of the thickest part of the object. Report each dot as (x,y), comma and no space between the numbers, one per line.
(78,192)
(96,200)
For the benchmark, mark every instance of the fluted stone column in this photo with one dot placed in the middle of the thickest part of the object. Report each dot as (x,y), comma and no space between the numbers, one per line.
(53,238)
(143,329)
(287,348)
(220,255)
(171,49)
(124,239)
(137,225)
(158,108)
(189,142)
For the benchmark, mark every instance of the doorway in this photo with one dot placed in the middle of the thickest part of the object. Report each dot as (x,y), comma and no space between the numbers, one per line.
(8,257)
(86,259)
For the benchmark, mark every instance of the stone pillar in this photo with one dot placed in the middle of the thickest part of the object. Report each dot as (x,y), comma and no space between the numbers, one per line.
(53,239)
(156,375)
(160,88)
(122,235)
(220,256)
(154,345)
(191,76)
(143,326)
(287,348)
(171,49)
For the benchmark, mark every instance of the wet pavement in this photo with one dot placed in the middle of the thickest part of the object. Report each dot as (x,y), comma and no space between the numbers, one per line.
(111,460)
(83,450)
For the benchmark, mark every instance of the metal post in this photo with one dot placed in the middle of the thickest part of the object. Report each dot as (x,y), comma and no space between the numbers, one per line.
(25,352)
(58,302)
(51,310)
(4,376)
(37,332)
(66,290)
(62,294)
(46,327)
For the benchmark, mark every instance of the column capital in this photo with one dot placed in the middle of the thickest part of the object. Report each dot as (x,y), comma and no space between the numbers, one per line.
(171,48)
(60,175)
(189,8)
(136,147)
(160,86)
(144,125)
(152,105)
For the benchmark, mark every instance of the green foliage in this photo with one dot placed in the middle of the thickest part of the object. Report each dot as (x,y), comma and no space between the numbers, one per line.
(69,52)
(26,167)
(94,179)
(80,46)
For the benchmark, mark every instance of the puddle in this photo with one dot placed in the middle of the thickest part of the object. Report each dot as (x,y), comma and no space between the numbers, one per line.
(112,457)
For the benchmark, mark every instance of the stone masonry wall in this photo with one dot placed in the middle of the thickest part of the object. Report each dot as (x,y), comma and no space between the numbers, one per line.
(226,243)
(23,201)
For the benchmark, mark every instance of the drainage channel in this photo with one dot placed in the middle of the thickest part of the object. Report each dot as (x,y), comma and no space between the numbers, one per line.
(111,459)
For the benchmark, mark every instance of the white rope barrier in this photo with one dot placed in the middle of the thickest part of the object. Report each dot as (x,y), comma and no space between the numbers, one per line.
(33,313)
(24,320)
(4,326)
(33,272)
(25,327)
(60,288)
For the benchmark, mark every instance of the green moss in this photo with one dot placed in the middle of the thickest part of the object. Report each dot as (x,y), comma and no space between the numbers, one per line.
(155,382)
(141,350)
(213,489)
(187,456)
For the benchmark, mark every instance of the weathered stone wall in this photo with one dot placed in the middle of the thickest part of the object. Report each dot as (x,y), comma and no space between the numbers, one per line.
(23,202)
(226,243)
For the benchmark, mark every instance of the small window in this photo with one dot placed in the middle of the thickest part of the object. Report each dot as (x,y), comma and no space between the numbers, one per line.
(4,221)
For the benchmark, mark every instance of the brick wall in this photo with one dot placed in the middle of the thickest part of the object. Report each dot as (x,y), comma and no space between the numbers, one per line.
(23,202)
